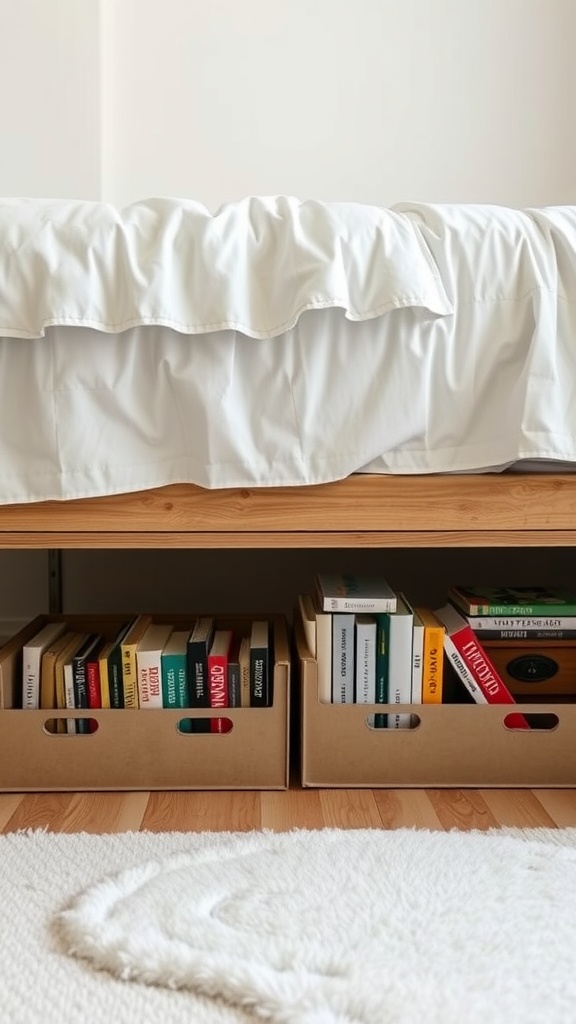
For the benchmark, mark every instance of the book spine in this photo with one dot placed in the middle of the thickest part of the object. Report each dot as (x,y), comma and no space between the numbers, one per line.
(104,683)
(480,623)
(343,658)
(69,695)
(324,656)
(525,634)
(518,610)
(400,689)
(478,673)
(417,661)
(198,674)
(80,691)
(217,687)
(93,684)
(433,665)
(382,666)
(149,679)
(129,675)
(259,678)
(360,605)
(234,683)
(115,680)
(365,658)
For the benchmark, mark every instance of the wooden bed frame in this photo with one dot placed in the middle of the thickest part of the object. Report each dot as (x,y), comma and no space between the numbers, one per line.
(484,510)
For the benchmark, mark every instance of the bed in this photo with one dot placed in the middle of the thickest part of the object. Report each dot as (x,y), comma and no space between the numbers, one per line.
(280,343)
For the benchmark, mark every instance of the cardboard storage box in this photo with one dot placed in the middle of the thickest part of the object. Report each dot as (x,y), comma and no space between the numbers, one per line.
(459,745)
(143,749)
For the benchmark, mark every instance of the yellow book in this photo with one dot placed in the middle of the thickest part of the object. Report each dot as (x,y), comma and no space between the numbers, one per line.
(129,647)
(432,657)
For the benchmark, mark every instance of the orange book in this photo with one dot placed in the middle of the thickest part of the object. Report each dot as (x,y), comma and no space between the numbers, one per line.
(432,657)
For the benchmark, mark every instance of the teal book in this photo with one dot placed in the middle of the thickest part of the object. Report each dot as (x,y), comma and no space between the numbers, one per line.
(175,686)
(382,666)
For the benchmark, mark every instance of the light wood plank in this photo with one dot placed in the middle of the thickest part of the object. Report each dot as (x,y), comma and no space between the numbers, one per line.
(463,809)
(40,810)
(9,802)
(406,808)
(236,811)
(295,808)
(105,812)
(560,804)
(516,808)
(349,808)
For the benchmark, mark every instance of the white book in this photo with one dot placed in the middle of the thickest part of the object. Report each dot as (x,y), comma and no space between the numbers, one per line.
(352,593)
(343,671)
(418,631)
(324,656)
(400,662)
(149,664)
(365,659)
(70,697)
(32,661)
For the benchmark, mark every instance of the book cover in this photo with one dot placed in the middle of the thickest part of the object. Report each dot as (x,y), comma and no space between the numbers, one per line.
(234,673)
(32,652)
(199,644)
(365,659)
(244,659)
(400,662)
(128,646)
(149,664)
(48,669)
(343,669)
(354,593)
(80,677)
(260,681)
(218,676)
(473,665)
(513,601)
(382,666)
(432,656)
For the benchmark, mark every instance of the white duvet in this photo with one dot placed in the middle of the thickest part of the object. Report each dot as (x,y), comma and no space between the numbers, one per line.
(279,342)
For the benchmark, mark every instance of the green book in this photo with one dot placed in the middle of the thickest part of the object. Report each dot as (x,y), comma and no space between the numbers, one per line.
(382,665)
(175,688)
(517,601)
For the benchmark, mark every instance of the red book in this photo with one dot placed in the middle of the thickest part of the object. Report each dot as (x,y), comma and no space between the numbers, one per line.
(218,676)
(473,666)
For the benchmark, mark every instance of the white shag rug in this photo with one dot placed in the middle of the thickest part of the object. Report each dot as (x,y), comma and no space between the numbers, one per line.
(329,927)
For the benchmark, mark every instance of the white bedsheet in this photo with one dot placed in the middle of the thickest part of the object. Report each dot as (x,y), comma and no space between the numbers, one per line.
(279,343)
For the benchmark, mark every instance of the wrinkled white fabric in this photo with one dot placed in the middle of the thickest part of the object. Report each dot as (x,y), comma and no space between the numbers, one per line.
(150,346)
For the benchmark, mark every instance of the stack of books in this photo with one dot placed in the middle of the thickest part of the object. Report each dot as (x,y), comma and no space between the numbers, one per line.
(372,645)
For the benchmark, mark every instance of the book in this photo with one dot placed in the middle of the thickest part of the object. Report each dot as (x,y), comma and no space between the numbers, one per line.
(418,630)
(174,674)
(513,601)
(128,646)
(343,668)
(473,665)
(432,656)
(48,669)
(32,652)
(64,680)
(365,659)
(308,613)
(400,662)
(149,664)
(244,659)
(234,673)
(80,677)
(382,666)
(524,627)
(354,593)
(111,685)
(218,676)
(318,632)
(199,643)
(260,681)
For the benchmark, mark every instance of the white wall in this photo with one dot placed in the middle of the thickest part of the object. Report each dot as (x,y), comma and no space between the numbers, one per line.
(370,100)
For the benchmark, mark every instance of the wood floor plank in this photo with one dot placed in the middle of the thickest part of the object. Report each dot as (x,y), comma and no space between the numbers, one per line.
(40,810)
(105,812)
(349,808)
(406,808)
(294,808)
(463,809)
(516,808)
(8,804)
(560,804)
(219,811)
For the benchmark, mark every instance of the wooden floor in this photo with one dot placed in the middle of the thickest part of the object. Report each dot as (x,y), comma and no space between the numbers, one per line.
(296,808)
